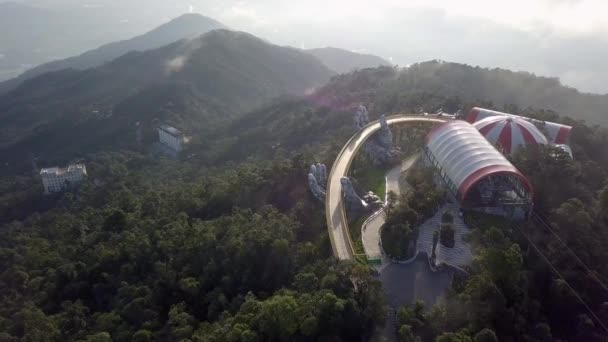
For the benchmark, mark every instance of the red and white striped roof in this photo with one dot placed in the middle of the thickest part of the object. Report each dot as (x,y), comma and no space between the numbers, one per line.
(509,133)
(555,133)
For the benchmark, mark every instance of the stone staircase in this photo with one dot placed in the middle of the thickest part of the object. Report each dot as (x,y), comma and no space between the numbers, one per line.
(460,255)
(390,329)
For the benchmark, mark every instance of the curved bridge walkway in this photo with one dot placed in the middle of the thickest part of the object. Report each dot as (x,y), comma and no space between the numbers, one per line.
(337,223)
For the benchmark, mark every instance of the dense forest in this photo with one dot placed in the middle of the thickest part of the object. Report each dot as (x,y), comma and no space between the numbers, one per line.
(163,252)
(229,245)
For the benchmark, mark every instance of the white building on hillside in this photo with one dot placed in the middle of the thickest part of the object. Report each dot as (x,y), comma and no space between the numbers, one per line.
(56,179)
(171,137)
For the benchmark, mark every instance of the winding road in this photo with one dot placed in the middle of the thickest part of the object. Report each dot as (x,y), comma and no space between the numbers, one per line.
(337,223)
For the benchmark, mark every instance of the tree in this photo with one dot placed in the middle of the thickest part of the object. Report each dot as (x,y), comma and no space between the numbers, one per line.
(503,265)
(484,301)
(116,221)
(278,317)
(143,336)
(447,217)
(35,325)
(447,235)
(180,322)
(309,326)
(73,319)
(391,202)
(486,335)
(306,282)
(99,337)
(406,334)
(454,337)
(542,331)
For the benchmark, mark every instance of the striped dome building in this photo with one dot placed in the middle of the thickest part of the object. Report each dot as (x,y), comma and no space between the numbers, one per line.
(510,133)
(475,172)
(557,134)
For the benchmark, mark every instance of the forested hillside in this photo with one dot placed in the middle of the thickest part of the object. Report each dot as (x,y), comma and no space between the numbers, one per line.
(230,245)
(194,82)
(502,87)
(344,61)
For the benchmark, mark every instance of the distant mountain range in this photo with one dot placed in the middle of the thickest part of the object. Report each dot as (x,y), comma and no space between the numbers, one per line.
(186,26)
(343,61)
(30,36)
(190,82)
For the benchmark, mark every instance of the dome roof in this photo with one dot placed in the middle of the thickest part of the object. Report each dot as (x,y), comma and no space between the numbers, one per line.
(509,133)
(556,133)
(466,158)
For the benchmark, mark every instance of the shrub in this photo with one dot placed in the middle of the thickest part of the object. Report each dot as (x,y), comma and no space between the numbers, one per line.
(396,240)
(447,218)
(446,235)
(486,335)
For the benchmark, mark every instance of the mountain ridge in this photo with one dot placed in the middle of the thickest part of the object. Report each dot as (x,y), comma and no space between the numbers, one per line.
(344,61)
(187,26)
(219,74)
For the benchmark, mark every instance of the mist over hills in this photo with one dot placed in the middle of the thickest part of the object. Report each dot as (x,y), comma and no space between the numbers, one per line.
(502,88)
(32,35)
(186,26)
(217,75)
(343,61)
(200,82)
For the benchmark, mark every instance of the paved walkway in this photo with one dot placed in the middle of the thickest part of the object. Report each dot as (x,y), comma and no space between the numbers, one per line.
(370,234)
(370,230)
(404,284)
(460,254)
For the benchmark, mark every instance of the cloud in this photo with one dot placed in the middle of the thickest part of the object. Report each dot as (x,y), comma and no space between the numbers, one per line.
(243,12)
(176,64)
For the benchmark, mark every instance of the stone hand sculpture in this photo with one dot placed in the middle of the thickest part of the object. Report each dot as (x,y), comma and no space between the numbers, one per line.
(352,202)
(317,181)
(379,148)
(360,118)
(384,137)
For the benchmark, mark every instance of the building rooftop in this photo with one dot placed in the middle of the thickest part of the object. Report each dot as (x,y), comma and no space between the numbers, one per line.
(47,170)
(61,170)
(171,130)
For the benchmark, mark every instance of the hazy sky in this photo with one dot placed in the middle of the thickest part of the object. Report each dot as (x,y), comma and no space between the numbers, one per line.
(563,16)
(562,38)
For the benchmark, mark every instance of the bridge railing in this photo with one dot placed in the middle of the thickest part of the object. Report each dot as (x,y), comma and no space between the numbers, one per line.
(399,118)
